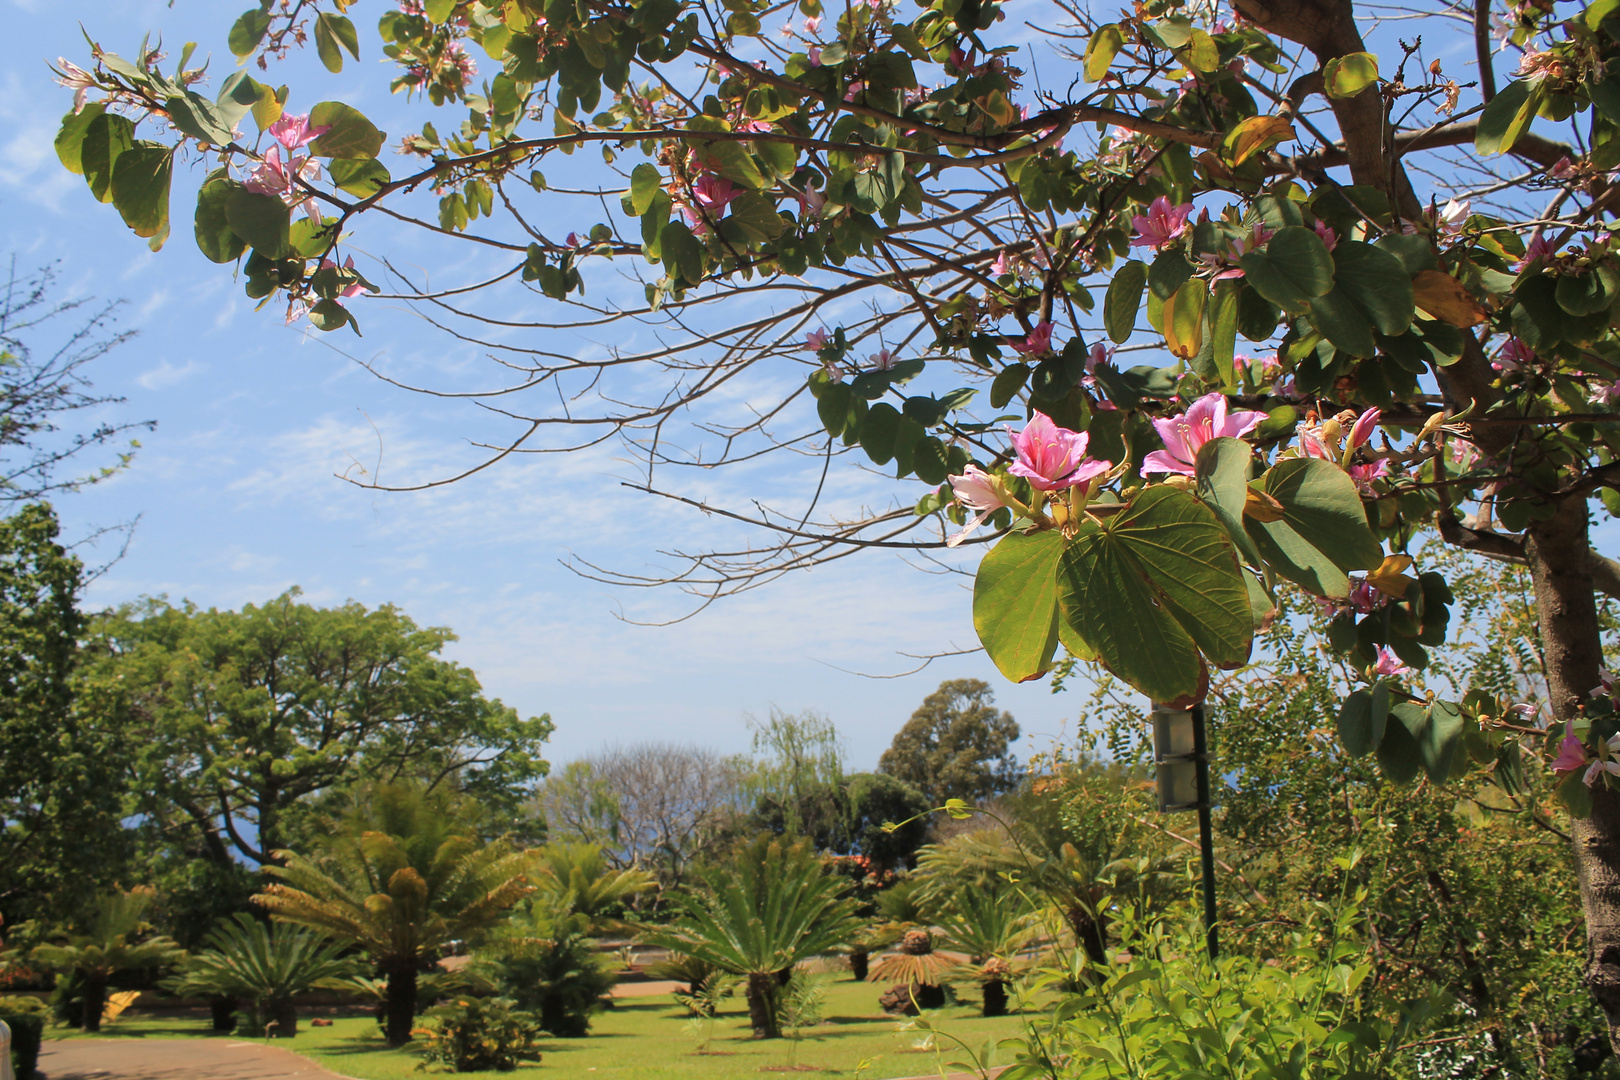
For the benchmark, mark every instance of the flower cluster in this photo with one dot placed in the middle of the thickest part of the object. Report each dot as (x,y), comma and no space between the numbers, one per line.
(286,179)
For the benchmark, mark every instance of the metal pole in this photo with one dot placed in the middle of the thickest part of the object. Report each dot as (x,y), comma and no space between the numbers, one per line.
(1206,831)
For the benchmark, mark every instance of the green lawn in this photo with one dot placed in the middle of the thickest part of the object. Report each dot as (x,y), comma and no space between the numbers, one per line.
(649,1039)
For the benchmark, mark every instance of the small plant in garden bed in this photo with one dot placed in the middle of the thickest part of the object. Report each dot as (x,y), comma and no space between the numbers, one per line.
(474,1034)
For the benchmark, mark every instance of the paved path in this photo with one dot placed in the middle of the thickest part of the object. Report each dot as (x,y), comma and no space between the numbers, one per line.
(173,1059)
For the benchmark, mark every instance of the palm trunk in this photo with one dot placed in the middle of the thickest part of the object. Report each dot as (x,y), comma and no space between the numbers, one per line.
(222,1012)
(282,1018)
(762,1006)
(995,998)
(859,963)
(401,1015)
(95,1003)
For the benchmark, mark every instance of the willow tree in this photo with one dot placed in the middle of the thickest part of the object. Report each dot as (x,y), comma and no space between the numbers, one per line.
(892,216)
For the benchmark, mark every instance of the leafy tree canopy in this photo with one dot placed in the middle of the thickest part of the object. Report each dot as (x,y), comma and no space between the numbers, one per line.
(235,717)
(956,745)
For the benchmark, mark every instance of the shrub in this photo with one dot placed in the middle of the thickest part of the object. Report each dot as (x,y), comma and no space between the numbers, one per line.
(474,1034)
(26,1017)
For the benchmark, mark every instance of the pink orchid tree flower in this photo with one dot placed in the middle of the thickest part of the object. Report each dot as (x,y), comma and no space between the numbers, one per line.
(1162,225)
(278,178)
(294,132)
(1539,248)
(713,193)
(816,340)
(1363,428)
(980,492)
(1325,231)
(1389,665)
(882,360)
(1452,216)
(75,78)
(1364,475)
(1038,341)
(1052,458)
(1184,435)
(1572,755)
(1605,687)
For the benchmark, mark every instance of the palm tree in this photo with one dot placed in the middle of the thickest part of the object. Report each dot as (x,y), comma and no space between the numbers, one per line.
(577,879)
(266,964)
(991,925)
(401,892)
(769,908)
(110,943)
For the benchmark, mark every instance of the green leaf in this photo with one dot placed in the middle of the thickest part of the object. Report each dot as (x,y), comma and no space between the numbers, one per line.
(1506,117)
(140,188)
(1341,323)
(438,11)
(1362,719)
(358,176)
(70,139)
(334,34)
(1122,301)
(733,161)
(1100,52)
(1223,325)
(645,182)
(215,237)
(1400,756)
(682,253)
(1375,281)
(196,116)
(247,32)
(755,216)
(1153,585)
(105,138)
(1015,603)
(1223,486)
(329,315)
(1299,254)
(1348,75)
(879,431)
(351,134)
(262,220)
(834,407)
(1323,531)
(1009,380)
(1168,273)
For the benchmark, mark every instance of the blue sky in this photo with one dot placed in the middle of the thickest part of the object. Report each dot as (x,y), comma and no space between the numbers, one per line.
(239,496)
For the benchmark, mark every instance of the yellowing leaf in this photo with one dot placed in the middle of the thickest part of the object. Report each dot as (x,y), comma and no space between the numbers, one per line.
(1202,55)
(1254,135)
(1262,507)
(1444,297)
(1390,577)
(1184,319)
(1105,45)
(1348,75)
(997,107)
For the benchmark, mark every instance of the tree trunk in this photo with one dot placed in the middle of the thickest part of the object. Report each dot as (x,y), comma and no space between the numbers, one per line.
(860,962)
(281,1019)
(401,1005)
(762,1006)
(1556,550)
(995,998)
(95,1003)
(222,1012)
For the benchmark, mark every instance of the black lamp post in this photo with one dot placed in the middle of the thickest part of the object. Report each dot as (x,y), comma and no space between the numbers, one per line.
(1181,772)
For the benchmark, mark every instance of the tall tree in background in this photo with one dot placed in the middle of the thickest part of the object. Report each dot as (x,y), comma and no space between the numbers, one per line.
(956,745)
(234,718)
(61,773)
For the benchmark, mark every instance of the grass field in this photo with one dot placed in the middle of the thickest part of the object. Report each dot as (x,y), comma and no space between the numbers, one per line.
(649,1038)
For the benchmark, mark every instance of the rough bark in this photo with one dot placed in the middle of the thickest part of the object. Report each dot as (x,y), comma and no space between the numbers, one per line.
(761,1006)
(401,1005)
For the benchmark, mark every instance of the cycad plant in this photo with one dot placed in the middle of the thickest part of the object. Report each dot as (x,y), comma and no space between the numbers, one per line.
(268,965)
(401,891)
(115,938)
(916,971)
(992,925)
(771,906)
(581,881)
(544,960)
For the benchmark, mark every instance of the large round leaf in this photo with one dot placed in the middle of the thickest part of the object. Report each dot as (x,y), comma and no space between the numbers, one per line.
(1015,603)
(1323,531)
(349,134)
(1376,282)
(140,188)
(1151,587)
(1223,485)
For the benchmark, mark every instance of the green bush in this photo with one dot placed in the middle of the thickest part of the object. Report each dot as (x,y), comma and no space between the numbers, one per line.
(474,1034)
(25,1016)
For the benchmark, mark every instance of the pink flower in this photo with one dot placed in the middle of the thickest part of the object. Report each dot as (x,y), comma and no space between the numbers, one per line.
(1161,225)
(273,177)
(1540,248)
(856,89)
(1389,664)
(811,200)
(816,340)
(1325,231)
(1514,355)
(1605,687)
(75,78)
(1453,215)
(1052,458)
(1364,427)
(1364,475)
(815,56)
(882,360)
(1311,443)
(1099,356)
(1366,597)
(1562,169)
(1572,755)
(713,193)
(1598,768)
(812,25)
(1038,341)
(999,267)
(1185,435)
(294,132)
(978,491)
(1606,394)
